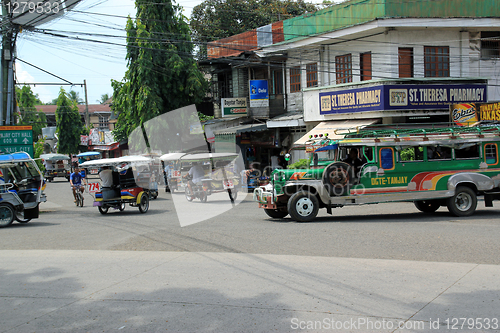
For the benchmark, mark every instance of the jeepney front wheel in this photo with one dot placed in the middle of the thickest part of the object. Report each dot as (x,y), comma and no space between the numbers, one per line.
(463,203)
(275,213)
(303,206)
(427,206)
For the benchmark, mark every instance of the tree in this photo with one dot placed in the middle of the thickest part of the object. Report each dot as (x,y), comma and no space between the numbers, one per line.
(75,97)
(104,98)
(27,112)
(216,19)
(162,74)
(69,124)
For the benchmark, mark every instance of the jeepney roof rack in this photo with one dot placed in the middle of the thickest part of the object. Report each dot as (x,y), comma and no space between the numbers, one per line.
(423,130)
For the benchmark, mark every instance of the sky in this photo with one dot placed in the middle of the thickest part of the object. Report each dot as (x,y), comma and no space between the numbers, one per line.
(78,60)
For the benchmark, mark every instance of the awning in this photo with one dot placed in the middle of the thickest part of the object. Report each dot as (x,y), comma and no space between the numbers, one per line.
(331,126)
(241,128)
(287,120)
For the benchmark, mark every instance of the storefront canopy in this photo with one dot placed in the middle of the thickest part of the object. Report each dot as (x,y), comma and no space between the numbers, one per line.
(241,129)
(331,127)
(287,120)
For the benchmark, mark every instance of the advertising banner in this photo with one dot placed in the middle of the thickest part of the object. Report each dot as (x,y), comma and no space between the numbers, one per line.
(234,106)
(401,97)
(466,114)
(259,93)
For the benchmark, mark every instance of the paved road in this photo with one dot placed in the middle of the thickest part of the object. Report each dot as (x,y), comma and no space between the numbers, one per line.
(74,270)
(383,231)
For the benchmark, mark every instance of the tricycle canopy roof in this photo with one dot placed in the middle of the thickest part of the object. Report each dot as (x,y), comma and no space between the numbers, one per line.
(15,157)
(89,153)
(116,161)
(171,156)
(209,156)
(54,157)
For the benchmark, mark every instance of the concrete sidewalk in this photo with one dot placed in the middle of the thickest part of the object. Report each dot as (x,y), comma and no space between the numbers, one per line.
(105,291)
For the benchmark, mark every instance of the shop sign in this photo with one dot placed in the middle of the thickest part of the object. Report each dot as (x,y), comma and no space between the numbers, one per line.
(234,107)
(401,97)
(259,93)
(489,111)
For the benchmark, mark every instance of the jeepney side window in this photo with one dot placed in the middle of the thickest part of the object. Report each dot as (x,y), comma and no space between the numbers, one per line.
(438,153)
(413,153)
(467,151)
(491,153)
(387,158)
(367,155)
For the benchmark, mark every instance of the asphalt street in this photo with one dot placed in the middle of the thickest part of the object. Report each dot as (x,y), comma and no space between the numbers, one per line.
(377,268)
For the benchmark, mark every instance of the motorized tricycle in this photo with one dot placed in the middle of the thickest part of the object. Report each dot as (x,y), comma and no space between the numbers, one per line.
(171,171)
(131,181)
(89,156)
(21,188)
(56,165)
(220,175)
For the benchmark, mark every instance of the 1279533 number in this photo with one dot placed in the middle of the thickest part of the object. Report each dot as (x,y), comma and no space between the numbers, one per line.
(471,323)
(40,7)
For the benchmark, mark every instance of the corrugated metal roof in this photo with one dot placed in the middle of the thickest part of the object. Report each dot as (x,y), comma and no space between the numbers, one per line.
(241,129)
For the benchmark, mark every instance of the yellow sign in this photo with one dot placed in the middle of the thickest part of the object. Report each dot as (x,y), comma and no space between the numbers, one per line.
(490,111)
(463,114)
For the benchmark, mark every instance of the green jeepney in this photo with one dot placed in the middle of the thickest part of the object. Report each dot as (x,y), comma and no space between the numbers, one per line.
(432,167)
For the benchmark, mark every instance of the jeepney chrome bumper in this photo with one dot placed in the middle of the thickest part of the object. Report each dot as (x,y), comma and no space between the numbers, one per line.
(264,198)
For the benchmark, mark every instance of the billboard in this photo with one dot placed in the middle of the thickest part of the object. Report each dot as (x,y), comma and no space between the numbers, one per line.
(466,114)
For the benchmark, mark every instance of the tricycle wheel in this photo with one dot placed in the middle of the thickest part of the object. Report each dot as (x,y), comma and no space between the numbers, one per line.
(20,217)
(122,207)
(144,203)
(203,196)
(303,206)
(275,213)
(103,209)
(233,194)
(7,215)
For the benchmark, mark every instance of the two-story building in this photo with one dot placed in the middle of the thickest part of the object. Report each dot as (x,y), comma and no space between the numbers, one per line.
(353,64)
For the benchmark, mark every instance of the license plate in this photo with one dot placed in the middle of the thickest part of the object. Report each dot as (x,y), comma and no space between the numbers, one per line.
(228,184)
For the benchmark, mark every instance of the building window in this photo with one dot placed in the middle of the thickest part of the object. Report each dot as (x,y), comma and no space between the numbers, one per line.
(405,59)
(312,75)
(277,82)
(366,66)
(343,68)
(490,44)
(104,122)
(295,79)
(437,61)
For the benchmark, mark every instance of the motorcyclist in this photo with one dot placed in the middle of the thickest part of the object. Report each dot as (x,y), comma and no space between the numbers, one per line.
(196,173)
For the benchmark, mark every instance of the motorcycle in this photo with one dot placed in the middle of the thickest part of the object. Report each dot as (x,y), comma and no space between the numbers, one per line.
(197,191)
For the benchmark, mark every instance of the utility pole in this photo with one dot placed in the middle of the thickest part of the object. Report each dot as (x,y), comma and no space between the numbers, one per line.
(87,116)
(7,94)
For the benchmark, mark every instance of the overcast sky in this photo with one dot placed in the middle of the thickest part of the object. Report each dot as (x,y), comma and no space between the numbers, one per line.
(77,60)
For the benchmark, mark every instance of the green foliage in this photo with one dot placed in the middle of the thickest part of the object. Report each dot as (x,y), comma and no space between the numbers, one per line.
(38,150)
(27,112)
(104,98)
(216,19)
(300,164)
(69,124)
(75,97)
(162,74)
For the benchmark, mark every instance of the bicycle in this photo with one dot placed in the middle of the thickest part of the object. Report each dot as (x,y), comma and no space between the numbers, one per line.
(79,196)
